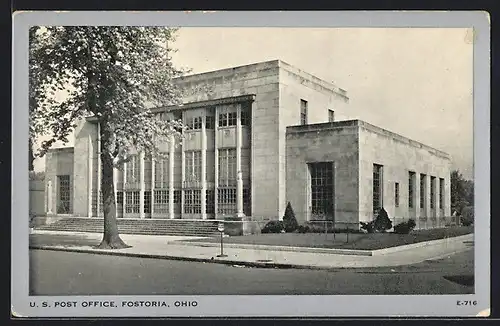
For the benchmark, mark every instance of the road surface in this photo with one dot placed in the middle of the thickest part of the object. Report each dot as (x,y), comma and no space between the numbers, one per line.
(69,273)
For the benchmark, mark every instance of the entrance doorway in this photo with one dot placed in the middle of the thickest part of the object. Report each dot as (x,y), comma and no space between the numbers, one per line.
(322,191)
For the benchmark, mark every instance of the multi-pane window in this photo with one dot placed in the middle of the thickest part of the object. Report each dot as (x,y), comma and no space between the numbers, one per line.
(160,201)
(331,116)
(192,201)
(303,112)
(132,203)
(162,172)
(396,194)
(194,123)
(422,191)
(132,172)
(227,167)
(441,193)
(64,193)
(227,119)
(193,165)
(210,122)
(147,202)
(177,196)
(119,203)
(226,201)
(433,192)
(377,187)
(411,189)
(210,201)
(322,188)
(148,166)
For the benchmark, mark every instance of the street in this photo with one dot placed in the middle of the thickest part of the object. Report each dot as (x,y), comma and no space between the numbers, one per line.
(68,273)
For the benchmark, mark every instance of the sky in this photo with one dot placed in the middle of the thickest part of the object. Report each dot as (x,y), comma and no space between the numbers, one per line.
(416,82)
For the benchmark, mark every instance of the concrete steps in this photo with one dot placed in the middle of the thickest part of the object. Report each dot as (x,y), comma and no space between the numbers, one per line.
(206,228)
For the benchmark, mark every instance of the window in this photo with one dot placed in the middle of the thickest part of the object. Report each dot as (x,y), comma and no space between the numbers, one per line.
(411,189)
(210,201)
(245,118)
(161,201)
(226,201)
(227,119)
(147,202)
(303,112)
(433,192)
(227,167)
(132,202)
(177,196)
(210,122)
(377,188)
(247,202)
(64,194)
(132,172)
(331,116)
(441,193)
(193,166)
(422,191)
(396,194)
(322,188)
(194,123)
(162,172)
(148,165)
(119,203)
(192,201)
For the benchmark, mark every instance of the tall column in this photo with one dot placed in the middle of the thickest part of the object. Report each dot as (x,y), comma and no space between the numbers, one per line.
(239,177)
(49,197)
(152,186)
(216,162)
(141,185)
(171,158)
(89,176)
(99,169)
(203,196)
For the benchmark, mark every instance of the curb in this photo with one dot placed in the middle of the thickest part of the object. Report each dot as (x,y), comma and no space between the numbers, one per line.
(355,252)
(192,259)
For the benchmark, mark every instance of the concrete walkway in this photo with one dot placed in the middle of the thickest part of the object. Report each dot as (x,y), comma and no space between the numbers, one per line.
(169,247)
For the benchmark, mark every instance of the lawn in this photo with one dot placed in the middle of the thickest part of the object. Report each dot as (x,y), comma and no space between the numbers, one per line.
(358,241)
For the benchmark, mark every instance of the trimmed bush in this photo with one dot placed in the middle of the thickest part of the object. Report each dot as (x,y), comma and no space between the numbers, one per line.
(381,223)
(467,217)
(303,229)
(273,227)
(405,227)
(289,220)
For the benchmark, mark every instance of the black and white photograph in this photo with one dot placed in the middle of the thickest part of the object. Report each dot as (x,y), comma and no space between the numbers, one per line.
(217,170)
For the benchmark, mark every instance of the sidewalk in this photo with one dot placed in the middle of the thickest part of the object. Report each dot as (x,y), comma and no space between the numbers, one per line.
(168,247)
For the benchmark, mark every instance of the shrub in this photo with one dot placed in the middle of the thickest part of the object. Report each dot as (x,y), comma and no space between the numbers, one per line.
(368,226)
(273,227)
(467,217)
(303,229)
(381,223)
(289,220)
(405,227)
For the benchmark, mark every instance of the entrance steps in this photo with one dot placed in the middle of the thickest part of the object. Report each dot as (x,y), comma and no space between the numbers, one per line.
(173,227)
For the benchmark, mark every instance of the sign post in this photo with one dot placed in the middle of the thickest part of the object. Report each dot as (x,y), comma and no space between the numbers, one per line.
(220,227)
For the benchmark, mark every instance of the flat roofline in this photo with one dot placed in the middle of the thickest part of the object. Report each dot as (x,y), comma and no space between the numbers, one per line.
(362,124)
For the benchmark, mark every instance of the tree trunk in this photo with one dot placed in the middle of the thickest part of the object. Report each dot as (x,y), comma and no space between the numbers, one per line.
(111,237)
(31,157)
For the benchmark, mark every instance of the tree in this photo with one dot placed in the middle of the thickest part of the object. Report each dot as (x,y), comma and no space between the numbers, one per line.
(289,220)
(115,74)
(462,192)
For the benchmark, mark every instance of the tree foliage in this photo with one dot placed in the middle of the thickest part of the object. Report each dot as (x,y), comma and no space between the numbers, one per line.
(115,74)
(289,219)
(462,192)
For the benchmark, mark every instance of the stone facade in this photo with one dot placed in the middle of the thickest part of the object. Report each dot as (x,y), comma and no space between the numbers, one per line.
(260,103)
